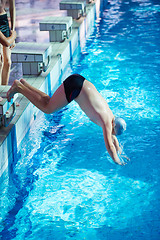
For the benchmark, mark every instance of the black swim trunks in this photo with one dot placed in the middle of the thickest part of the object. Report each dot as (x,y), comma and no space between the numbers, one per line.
(72,86)
(4,26)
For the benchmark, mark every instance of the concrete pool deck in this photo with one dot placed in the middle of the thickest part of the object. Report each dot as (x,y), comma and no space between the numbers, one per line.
(62,53)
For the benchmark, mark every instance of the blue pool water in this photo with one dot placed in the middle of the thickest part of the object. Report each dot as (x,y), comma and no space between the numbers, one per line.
(61,184)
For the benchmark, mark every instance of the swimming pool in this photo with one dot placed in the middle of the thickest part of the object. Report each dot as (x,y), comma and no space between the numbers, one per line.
(61,184)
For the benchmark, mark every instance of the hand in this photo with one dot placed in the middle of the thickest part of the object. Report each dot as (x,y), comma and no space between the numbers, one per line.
(127,158)
(121,162)
(13,34)
(12,45)
(124,159)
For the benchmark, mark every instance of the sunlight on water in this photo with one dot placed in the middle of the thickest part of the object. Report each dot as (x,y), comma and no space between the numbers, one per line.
(139,100)
(7,200)
(82,198)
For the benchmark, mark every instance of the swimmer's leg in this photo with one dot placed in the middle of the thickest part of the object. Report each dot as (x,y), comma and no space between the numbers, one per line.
(25,83)
(45,104)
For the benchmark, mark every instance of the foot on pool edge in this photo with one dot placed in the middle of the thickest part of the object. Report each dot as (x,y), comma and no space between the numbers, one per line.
(12,90)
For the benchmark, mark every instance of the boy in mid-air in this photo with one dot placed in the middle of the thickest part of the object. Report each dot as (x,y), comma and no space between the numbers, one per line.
(77,88)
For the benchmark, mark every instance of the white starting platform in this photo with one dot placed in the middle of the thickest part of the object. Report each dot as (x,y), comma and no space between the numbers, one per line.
(35,57)
(59,28)
(75,8)
(7,109)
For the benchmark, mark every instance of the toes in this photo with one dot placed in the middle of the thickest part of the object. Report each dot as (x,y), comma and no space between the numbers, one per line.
(22,80)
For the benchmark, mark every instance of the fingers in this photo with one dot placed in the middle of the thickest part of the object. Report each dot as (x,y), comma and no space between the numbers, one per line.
(121,162)
(12,46)
(124,159)
(127,158)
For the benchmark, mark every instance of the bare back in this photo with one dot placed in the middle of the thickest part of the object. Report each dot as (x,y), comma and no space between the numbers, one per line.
(94,105)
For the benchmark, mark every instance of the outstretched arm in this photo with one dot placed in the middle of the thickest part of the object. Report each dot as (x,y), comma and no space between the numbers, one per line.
(116,144)
(111,144)
(123,158)
(7,41)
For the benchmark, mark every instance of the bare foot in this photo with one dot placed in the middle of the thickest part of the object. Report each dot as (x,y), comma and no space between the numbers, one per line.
(1,99)
(44,96)
(24,82)
(12,90)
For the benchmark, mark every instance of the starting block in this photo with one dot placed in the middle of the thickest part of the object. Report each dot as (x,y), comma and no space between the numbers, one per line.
(35,57)
(75,8)
(59,27)
(7,109)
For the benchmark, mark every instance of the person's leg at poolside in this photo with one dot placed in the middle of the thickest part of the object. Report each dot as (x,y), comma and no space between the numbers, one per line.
(6,65)
(1,62)
(38,98)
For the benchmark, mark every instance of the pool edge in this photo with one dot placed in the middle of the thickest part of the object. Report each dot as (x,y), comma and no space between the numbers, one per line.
(11,136)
